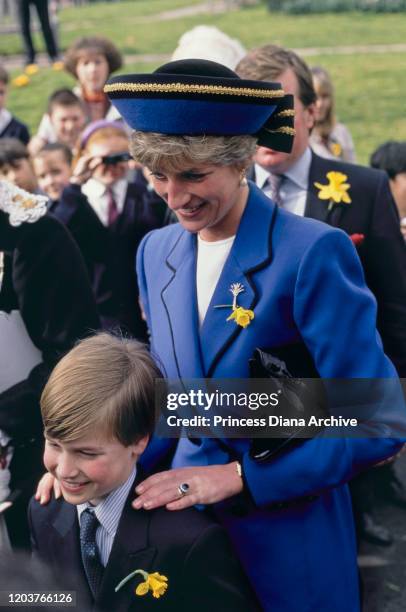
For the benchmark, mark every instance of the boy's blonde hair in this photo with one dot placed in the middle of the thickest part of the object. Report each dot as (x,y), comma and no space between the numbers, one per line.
(104,386)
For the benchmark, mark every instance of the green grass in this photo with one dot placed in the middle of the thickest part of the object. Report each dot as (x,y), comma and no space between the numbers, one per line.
(370,88)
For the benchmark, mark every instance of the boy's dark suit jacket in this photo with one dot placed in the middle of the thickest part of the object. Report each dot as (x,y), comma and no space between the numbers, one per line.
(110,252)
(372,214)
(16,129)
(46,280)
(186,547)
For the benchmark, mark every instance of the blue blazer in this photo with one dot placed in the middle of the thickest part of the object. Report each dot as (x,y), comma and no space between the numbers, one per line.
(304,281)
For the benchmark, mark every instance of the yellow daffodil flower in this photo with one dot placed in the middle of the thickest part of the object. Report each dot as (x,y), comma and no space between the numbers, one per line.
(58,66)
(336,190)
(157,583)
(241,316)
(21,80)
(336,149)
(31,69)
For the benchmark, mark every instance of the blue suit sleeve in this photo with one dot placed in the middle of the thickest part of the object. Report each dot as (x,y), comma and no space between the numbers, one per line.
(142,284)
(331,298)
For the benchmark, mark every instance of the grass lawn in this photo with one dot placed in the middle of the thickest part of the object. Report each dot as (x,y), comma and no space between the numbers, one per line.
(370,88)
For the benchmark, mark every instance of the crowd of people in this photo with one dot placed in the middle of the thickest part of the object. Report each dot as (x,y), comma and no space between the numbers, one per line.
(218,174)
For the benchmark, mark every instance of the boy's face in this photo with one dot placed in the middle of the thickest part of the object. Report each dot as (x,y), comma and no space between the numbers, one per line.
(90,468)
(68,122)
(20,173)
(3,94)
(108,174)
(53,173)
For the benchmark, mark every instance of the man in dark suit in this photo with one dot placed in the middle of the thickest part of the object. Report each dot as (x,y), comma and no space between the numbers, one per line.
(115,557)
(363,207)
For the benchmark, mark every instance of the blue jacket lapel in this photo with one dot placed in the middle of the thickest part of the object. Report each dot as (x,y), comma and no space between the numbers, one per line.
(251,251)
(180,302)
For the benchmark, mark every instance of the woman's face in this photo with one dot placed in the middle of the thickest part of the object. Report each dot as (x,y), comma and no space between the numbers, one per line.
(323,102)
(92,70)
(208,200)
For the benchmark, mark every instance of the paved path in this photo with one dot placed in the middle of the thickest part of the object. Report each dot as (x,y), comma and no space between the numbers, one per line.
(12,62)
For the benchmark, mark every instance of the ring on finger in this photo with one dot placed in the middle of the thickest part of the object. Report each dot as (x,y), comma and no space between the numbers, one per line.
(183,489)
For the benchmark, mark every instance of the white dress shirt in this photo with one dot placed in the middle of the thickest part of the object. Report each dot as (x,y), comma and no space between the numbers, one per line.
(5,118)
(211,257)
(293,190)
(108,513)
(98,197)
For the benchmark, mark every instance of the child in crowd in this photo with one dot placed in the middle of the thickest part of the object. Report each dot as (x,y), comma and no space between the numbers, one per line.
(98,414)
(67,118)
(108,216)
(10,127)
(391,157)
(329,137)
(52,167)
(90,60)
(15,165)
(46,305)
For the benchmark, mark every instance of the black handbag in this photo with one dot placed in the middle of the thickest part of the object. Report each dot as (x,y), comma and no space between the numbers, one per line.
(291,373)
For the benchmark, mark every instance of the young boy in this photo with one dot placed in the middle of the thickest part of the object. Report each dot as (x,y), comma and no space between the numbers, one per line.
(10,126)
(15,165)
(97,409)
(65,119)
(52,167)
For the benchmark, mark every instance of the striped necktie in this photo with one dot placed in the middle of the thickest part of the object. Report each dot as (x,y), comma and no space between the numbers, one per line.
(112,211)
(272,187)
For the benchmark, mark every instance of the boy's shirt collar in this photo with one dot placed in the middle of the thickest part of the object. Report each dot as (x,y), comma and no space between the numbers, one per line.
(109,511)
(95,192)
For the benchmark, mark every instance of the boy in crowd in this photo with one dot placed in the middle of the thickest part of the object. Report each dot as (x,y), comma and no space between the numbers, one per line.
(15,165)
(10,126)
(391,157)
(52,167)
(67,118)
(97,409)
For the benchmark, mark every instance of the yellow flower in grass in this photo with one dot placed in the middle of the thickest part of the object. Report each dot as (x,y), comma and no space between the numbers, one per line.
(337,189)
(21,81)
(241,316)
(31,69)
(156,583)
(57,66)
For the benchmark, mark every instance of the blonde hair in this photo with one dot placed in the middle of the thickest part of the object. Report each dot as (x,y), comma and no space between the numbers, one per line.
(323,84)
(104,385)
(174,153)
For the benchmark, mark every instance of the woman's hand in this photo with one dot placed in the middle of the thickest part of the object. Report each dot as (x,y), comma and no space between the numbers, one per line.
(84,169)
(207,485)
(45,487)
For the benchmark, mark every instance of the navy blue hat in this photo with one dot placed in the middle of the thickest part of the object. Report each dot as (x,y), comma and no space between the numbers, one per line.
(194,97)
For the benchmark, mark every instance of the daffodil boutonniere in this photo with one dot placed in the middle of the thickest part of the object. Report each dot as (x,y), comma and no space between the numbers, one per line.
(336,191)
(241,316)
(157,583)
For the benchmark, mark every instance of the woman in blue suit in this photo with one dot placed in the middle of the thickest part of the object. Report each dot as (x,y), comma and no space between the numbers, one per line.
(293,281)
(289,282)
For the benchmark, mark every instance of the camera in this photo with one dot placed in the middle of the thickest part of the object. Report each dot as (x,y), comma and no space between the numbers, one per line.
(110,160)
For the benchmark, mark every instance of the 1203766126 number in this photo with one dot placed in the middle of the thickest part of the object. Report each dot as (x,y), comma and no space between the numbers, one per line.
(42,598)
